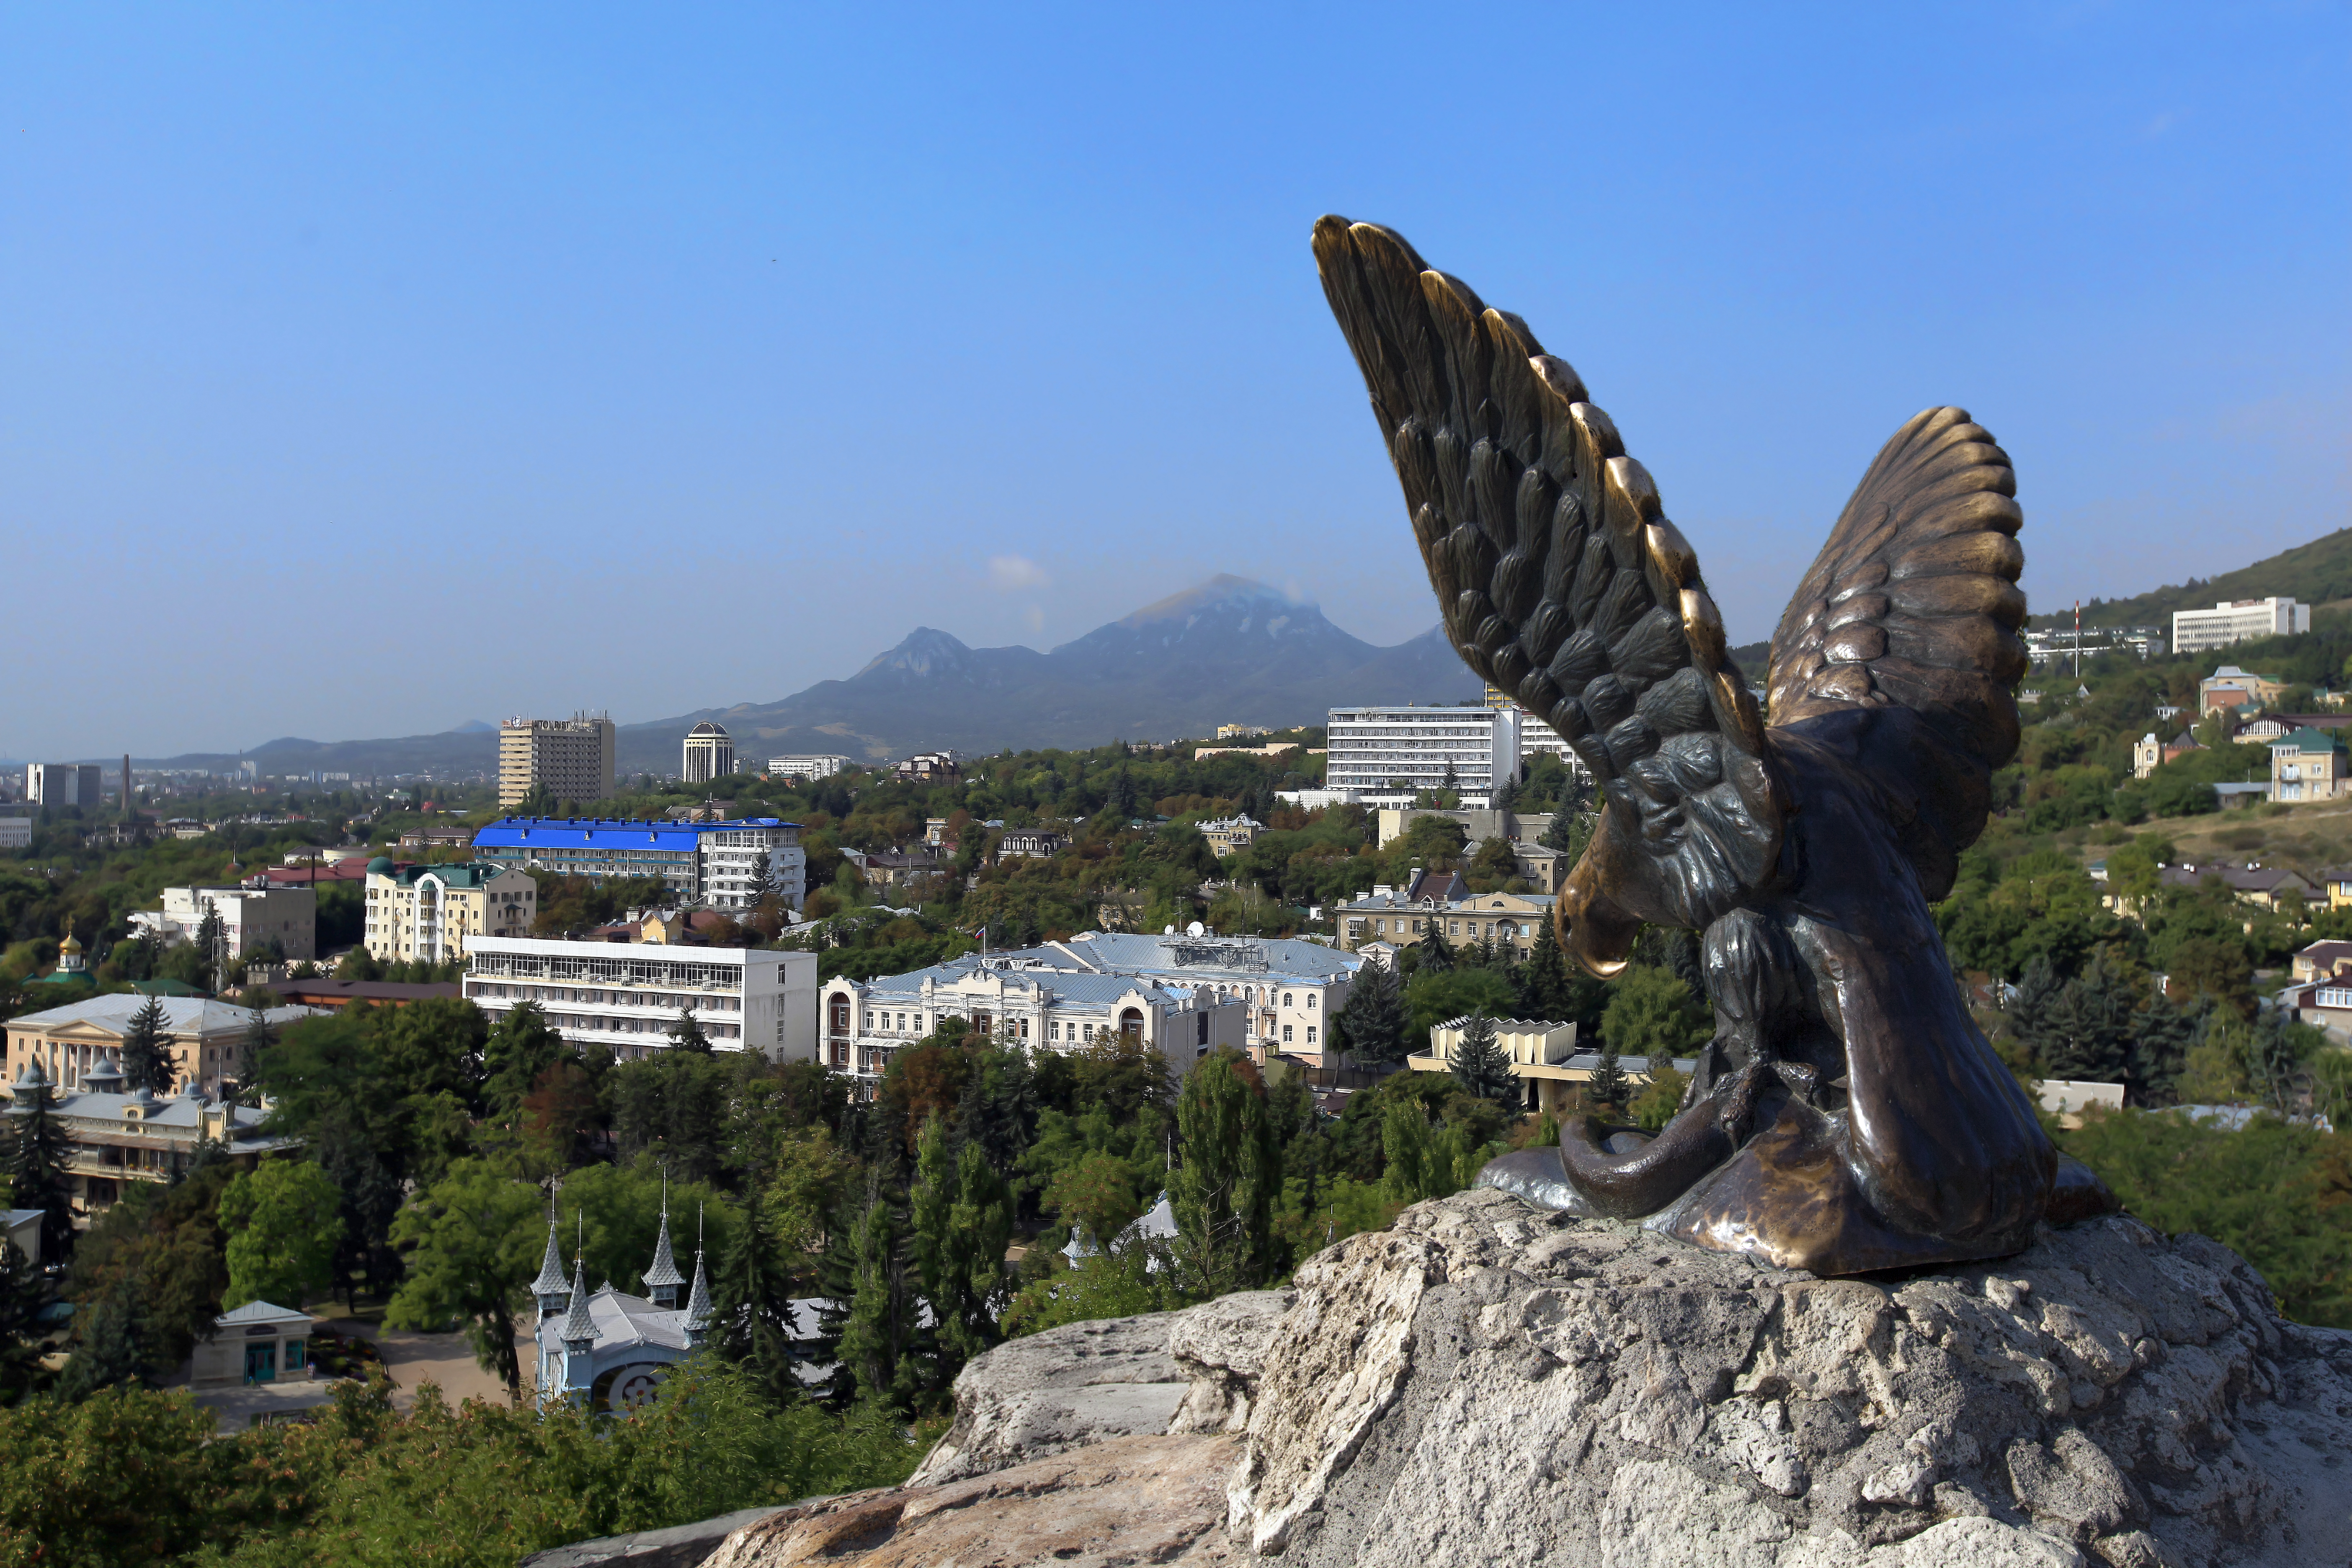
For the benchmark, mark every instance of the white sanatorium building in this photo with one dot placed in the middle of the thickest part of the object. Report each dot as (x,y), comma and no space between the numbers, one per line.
(1408,747)
(625,996)
(250,916)
(1184,996)
(2237,620)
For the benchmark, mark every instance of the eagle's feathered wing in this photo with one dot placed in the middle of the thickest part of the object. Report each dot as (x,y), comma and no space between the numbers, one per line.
(1561,582)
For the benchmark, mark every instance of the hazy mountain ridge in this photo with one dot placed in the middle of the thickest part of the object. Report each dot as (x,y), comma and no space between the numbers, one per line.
(1227,651)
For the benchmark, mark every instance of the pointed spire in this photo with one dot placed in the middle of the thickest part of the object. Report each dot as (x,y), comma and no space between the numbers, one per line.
(663,1278)
(579,1328)
(697,1301)
(551,1287)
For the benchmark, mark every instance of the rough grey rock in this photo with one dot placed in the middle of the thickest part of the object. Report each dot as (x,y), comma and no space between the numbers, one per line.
(1486,1382)
(680,1546)
(1166,1373)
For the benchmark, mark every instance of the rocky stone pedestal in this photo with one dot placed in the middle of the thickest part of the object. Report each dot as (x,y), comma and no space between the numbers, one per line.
(1486,1382)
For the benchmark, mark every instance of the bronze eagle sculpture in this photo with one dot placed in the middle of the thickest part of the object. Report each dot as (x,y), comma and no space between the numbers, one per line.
(1848,1114)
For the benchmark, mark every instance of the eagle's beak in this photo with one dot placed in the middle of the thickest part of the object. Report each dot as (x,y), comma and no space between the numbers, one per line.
(1593,928)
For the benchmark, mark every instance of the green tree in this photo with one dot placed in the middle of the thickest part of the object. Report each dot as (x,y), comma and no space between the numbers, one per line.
(519,1049)
(23,1295)
(1436,998)
(962,1221)
(37,1164)
(284,1220)
(876,1328)
(162,1247)
(1657,1104)
(1480,1064)
(473,1240)
(2263,1190)
(260,1037)
(1653,1014)
(1231,1177)
(685,1034)
(1609,1088)
(146,1061)
(751,1297)
(1436,953)
(1371,1025)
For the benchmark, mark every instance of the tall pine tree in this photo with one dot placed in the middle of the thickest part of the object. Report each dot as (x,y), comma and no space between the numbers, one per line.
(961,1218)
(1480,1064)
(37,1164)
(146,1055)
(686,1034)
(1607,1089)
(752,1300)
(1371,1022)
(1230,1178)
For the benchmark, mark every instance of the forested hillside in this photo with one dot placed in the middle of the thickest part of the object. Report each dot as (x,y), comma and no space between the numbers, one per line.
(2319,573)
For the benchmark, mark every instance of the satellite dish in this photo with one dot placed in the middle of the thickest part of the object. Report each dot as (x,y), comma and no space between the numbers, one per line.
(1168,931)
(1196,929)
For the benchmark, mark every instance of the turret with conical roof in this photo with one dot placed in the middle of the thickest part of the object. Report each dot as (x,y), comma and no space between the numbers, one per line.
(698,1301)
(554,1292)
(663,1278)
(31,1090)
(579,1328)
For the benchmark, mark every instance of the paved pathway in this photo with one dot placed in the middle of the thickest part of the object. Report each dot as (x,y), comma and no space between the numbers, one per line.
(414,1359)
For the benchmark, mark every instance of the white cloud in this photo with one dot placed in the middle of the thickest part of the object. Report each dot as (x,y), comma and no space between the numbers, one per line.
(1011,571)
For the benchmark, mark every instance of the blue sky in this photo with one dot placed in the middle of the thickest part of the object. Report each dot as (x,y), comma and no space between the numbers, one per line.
(367,372)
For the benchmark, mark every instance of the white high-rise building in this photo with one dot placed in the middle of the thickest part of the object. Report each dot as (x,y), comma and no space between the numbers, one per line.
(709,753)
(1406,747)
(2237,620)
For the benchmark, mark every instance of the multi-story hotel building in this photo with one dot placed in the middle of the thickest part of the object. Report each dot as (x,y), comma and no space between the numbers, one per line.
(251,918)
(1408,748)
(2237,620)
(626,997)
(435,913)
(64,784)
(1184,996)
(571,757)
(715,862)
(709,753)
(823,767)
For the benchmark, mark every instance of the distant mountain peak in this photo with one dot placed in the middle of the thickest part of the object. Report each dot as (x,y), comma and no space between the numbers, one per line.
(472,727)
(925,650)
(1219,591)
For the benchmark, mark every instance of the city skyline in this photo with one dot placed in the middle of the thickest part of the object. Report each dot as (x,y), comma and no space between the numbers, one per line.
(1001,325)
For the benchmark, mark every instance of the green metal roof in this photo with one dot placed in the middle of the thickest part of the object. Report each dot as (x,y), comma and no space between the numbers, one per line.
(2310,740)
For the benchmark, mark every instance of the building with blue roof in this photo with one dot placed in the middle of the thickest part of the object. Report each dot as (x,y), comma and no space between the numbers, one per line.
(713,863)
(1185,995)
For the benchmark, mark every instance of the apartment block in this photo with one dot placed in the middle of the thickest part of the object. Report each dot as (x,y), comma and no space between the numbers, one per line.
(715,862)
(1406,747)
(2236,620)
(435,913)
(64,784)
(809,767)
(626,997)
(251,918)
(573,758)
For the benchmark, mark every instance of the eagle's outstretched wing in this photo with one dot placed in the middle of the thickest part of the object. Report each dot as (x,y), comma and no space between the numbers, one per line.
(1562,583)
(1913,604)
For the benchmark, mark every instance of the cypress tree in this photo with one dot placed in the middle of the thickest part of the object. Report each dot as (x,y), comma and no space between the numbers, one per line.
(1544,981)
(146,1061)
(2029,1006)
(961,1218)
(1479,1064)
